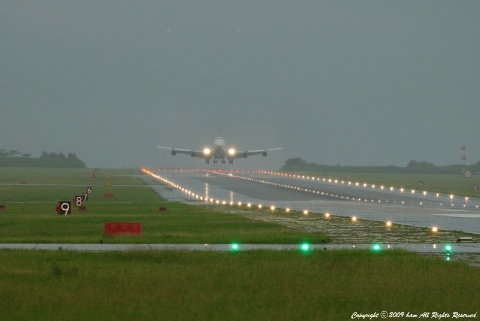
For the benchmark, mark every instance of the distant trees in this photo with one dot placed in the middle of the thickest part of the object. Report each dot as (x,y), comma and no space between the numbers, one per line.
(71,158)
(414,167)
(297,161)
(13,158)
(12,153)
(53,155)
(414,163)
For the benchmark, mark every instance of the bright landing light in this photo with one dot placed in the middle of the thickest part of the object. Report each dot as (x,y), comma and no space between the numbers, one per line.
(207,151)
(231,151)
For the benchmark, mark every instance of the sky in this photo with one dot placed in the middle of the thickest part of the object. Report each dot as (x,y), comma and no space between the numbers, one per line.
(346,82)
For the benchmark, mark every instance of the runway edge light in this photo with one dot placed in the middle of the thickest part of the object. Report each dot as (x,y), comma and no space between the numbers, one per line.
(305,247)
(448,251)
(234,247)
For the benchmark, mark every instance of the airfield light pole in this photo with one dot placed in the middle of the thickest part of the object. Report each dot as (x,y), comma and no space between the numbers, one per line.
(464,158)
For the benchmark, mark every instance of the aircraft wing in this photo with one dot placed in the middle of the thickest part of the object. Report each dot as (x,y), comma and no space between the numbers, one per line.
(191,152)
(246,153)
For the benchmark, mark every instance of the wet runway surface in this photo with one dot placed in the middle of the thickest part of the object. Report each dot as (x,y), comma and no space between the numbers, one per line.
(317,195)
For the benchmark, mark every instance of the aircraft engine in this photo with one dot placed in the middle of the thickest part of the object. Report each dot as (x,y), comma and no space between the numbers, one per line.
(245,154)
(192,153)
(264,154)
(174,152)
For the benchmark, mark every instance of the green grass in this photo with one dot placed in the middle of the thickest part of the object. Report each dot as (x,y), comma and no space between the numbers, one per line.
(179,224)
(253,285)
(66,176)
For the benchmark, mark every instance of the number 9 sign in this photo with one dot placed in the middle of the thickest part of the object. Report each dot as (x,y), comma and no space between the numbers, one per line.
(64,207)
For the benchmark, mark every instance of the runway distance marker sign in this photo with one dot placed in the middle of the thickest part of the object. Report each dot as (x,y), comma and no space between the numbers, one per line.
(64,208)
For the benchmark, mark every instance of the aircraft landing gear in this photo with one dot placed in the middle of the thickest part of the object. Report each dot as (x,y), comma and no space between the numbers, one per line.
(207,161)
(223,161)
(230,161)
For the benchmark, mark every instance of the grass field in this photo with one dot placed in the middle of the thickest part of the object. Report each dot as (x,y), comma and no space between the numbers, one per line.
(254,285)
(171,285)
(179,224)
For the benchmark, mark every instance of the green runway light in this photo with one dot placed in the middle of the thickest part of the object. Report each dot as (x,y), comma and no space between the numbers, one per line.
(376,247)
(305,247)
(234,247)
(448,252)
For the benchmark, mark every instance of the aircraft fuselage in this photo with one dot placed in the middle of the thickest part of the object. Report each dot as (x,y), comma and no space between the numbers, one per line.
(219,152)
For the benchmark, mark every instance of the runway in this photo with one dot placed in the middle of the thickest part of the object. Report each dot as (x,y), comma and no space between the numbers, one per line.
(320,195)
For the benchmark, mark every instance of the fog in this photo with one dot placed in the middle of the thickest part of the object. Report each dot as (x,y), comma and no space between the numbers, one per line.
(333,82)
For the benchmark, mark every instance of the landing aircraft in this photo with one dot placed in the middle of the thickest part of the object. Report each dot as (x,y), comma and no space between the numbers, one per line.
(219,151)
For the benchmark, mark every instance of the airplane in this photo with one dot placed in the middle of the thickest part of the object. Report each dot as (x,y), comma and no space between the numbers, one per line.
(219,151)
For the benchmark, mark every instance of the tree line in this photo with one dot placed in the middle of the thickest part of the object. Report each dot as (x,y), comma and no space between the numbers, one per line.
(13,153)
(52,155)
(298,164)
(13,158)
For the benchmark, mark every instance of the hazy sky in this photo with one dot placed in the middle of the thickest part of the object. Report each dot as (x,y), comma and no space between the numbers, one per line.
(341,81)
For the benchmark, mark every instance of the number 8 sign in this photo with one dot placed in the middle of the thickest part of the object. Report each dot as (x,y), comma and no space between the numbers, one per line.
(79,200)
